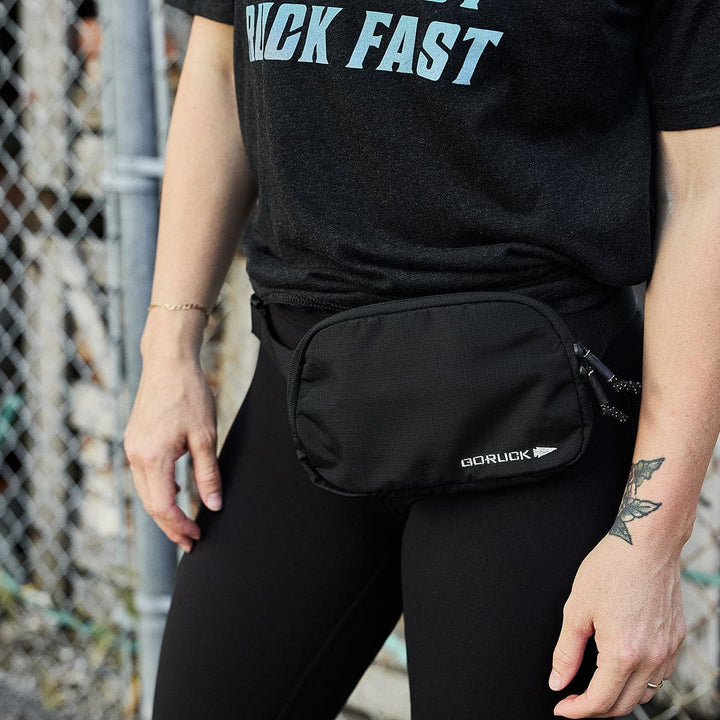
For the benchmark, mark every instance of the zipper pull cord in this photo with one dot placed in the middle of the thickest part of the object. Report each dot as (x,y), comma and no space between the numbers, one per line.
(630,387)
(588,373)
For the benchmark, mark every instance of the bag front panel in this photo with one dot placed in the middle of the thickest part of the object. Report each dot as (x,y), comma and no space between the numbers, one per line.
(438,398)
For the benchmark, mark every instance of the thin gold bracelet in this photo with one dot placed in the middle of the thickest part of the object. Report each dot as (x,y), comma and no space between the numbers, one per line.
(184,306)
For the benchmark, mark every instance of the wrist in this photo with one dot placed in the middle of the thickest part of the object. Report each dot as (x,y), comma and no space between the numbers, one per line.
(656,540)
(659,504)
(173,334)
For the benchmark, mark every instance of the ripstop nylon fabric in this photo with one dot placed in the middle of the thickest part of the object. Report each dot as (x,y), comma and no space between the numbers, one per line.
(445,393)
(440,394)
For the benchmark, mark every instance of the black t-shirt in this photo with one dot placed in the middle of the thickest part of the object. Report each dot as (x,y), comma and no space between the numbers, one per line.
(411,147)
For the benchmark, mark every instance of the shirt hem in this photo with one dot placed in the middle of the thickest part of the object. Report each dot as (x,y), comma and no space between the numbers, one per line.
(689,115)
(573,303)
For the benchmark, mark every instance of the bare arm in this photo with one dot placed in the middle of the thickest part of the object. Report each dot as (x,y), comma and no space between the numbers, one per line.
(627,591)
(207,190)
(207,193)
(680,414)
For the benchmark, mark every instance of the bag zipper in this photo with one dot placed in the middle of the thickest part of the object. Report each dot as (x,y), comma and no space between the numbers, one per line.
(590,368)
(418,303)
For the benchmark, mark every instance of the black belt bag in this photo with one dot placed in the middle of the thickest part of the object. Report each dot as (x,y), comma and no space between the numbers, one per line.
(441,394)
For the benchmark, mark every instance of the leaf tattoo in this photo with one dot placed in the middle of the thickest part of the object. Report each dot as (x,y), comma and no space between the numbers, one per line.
(643,469)
(631,506)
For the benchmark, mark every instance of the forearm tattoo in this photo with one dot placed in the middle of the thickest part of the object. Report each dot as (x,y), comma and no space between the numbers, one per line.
(632,507)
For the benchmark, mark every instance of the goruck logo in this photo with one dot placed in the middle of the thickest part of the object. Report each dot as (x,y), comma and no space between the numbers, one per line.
(508,456)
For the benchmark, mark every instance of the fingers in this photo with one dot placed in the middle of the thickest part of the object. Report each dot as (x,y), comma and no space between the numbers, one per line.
(602,693)
(155,483)
(160,503)
(656,666)
(661,675)
(618,686)
(647,693)
(177,526)
(202,446)
(569,651)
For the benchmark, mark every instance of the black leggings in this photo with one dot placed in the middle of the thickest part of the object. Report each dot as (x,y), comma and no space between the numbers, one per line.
(292,590)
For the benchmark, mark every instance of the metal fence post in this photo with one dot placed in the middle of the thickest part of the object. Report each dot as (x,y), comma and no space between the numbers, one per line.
(135,178)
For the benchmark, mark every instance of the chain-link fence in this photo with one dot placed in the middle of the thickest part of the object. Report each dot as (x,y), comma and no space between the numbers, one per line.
(68,625)
(65,579)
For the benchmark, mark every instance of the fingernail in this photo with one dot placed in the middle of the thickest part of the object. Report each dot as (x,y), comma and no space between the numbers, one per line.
(214,501)
(555,681)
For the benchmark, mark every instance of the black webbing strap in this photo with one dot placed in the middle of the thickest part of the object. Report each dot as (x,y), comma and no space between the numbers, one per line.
(261,327)
(614,313)
(611,315)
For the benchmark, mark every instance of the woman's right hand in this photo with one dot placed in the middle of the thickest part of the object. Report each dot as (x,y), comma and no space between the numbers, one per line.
(173,413)
(207,192)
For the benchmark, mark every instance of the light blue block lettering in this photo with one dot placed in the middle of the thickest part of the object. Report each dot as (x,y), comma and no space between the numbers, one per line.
(434,54)
(260,26)
(367,39)
(293,13)
(401,48)
(315,48)
(470,4)
(480,38)
(250,26)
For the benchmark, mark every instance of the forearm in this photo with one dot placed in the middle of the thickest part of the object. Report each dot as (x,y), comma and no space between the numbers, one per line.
(207,193)
(680,410)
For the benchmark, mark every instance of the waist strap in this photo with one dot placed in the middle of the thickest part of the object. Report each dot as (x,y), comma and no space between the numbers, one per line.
(611,315)
(262,328)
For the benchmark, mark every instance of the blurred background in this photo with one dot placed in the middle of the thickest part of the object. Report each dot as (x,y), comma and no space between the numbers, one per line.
(85,95)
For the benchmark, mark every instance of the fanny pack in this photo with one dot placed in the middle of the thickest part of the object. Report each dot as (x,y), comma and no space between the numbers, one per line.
(444,393)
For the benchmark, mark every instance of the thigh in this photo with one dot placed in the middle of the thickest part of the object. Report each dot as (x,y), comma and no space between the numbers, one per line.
(485,577)
(289,594)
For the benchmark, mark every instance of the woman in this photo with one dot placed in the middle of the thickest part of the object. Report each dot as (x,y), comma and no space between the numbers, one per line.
(425,147)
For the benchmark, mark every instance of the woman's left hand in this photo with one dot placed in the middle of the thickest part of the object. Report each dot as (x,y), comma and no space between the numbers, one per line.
(629,598)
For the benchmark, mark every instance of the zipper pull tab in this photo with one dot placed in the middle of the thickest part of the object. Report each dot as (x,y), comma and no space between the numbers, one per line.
(631,387)
(594,362)
(605,407)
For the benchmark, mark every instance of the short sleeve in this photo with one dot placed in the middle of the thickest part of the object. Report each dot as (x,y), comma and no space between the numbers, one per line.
(219,10)
(682,63)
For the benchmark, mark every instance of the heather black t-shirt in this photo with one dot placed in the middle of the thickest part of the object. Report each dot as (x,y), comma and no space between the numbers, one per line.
(408,147)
